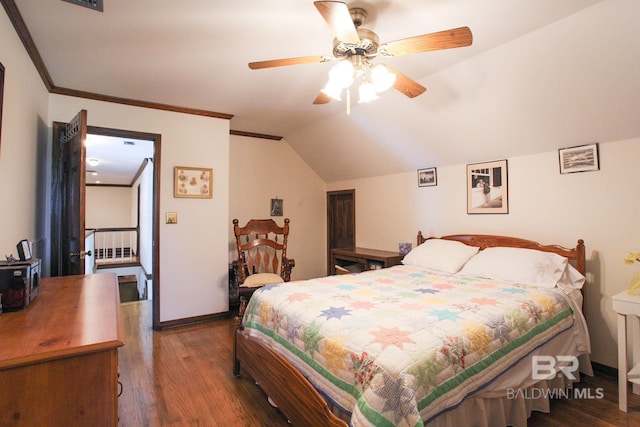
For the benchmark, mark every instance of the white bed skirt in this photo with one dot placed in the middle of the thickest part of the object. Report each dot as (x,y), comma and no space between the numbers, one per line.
(507,411)
(512,411)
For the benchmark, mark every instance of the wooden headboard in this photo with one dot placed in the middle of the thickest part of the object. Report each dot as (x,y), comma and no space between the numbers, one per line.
(577,254)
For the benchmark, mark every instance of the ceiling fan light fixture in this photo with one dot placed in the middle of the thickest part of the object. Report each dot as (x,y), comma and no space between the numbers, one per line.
(93,161)
(333,90)
(382,78)
(341,74)
(367,92)
(355,46)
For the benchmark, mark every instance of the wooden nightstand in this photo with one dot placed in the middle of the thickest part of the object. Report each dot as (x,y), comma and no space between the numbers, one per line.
(627,305)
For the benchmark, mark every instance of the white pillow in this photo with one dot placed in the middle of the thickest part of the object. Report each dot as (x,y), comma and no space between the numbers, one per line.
(443,255)
(571,279)
(261,279)
(526,266)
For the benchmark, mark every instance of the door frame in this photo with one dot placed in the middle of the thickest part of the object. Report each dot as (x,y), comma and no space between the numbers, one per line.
(157,143)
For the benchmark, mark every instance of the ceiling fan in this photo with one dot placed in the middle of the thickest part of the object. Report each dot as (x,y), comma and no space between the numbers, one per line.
(354,47)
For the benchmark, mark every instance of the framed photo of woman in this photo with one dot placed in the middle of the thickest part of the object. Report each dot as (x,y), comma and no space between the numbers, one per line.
(487,188)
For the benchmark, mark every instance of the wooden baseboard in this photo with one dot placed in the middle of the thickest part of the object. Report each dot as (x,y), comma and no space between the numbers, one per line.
(604,370)
(192,320)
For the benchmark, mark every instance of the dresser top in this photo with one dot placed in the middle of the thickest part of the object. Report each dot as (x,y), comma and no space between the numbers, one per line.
(71,315)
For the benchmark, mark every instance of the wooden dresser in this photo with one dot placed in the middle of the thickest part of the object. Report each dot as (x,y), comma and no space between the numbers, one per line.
(59,356)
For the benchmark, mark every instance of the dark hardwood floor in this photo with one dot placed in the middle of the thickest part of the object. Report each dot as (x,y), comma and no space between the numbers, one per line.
(182,377)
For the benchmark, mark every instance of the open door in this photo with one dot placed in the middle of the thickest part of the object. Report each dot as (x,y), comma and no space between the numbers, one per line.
(68,194)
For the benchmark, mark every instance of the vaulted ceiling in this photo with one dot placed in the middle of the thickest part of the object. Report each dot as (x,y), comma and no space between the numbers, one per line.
(540,74)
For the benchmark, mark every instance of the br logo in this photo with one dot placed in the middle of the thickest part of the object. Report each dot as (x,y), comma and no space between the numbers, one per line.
(545,367)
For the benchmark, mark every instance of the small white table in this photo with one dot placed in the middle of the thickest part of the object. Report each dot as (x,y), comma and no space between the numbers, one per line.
(627,305)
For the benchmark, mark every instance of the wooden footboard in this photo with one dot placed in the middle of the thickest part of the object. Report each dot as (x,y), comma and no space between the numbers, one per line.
(291,392)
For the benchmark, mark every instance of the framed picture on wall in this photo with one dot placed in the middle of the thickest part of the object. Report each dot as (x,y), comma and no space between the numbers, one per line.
(427,177)
(276,207)
(582,158)
(487,188)
(191,182)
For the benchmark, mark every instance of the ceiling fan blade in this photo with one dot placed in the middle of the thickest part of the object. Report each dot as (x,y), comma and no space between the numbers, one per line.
(337,15)
(406,85)
(287,61)
(322,99)
(456,37)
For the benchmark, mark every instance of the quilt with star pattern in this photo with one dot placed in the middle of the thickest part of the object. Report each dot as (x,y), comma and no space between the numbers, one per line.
(399,346)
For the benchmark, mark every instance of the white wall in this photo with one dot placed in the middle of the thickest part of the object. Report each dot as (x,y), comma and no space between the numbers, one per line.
(23,144)
(193,253)
(108,207)
(600,207)
(145,181)
(261,170)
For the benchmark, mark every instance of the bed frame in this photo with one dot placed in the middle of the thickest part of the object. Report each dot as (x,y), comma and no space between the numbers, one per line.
(298,400)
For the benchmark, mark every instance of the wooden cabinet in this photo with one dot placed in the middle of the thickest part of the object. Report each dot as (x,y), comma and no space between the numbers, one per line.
(59,356)
(361,259)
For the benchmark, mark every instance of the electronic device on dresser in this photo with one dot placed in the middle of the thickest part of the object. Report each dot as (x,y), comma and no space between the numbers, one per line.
(19,283)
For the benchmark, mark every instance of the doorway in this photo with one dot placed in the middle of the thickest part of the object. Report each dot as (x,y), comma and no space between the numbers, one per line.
(127,241)
(341,222)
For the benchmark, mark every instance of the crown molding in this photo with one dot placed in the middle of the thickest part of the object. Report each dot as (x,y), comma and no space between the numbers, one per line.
(25,36)
(255,135)
(137,103)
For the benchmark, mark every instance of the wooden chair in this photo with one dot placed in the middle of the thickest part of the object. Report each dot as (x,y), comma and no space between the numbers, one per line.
(262,256)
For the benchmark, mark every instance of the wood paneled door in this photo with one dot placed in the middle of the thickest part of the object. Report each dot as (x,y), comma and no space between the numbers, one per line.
(341,222)
(68,196)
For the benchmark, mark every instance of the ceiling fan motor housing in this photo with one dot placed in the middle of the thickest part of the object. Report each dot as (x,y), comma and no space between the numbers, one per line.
(368,45)
(369,41)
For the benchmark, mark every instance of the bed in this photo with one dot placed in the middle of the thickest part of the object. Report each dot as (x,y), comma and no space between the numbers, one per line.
(446,338)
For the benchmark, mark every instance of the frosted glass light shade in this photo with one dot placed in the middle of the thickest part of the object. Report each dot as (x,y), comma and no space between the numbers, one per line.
(341,74)
(382,78)
(333,90)
(367,92)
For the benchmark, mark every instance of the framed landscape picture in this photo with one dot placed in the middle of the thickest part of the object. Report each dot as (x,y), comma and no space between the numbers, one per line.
(582,158)
(487,188)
